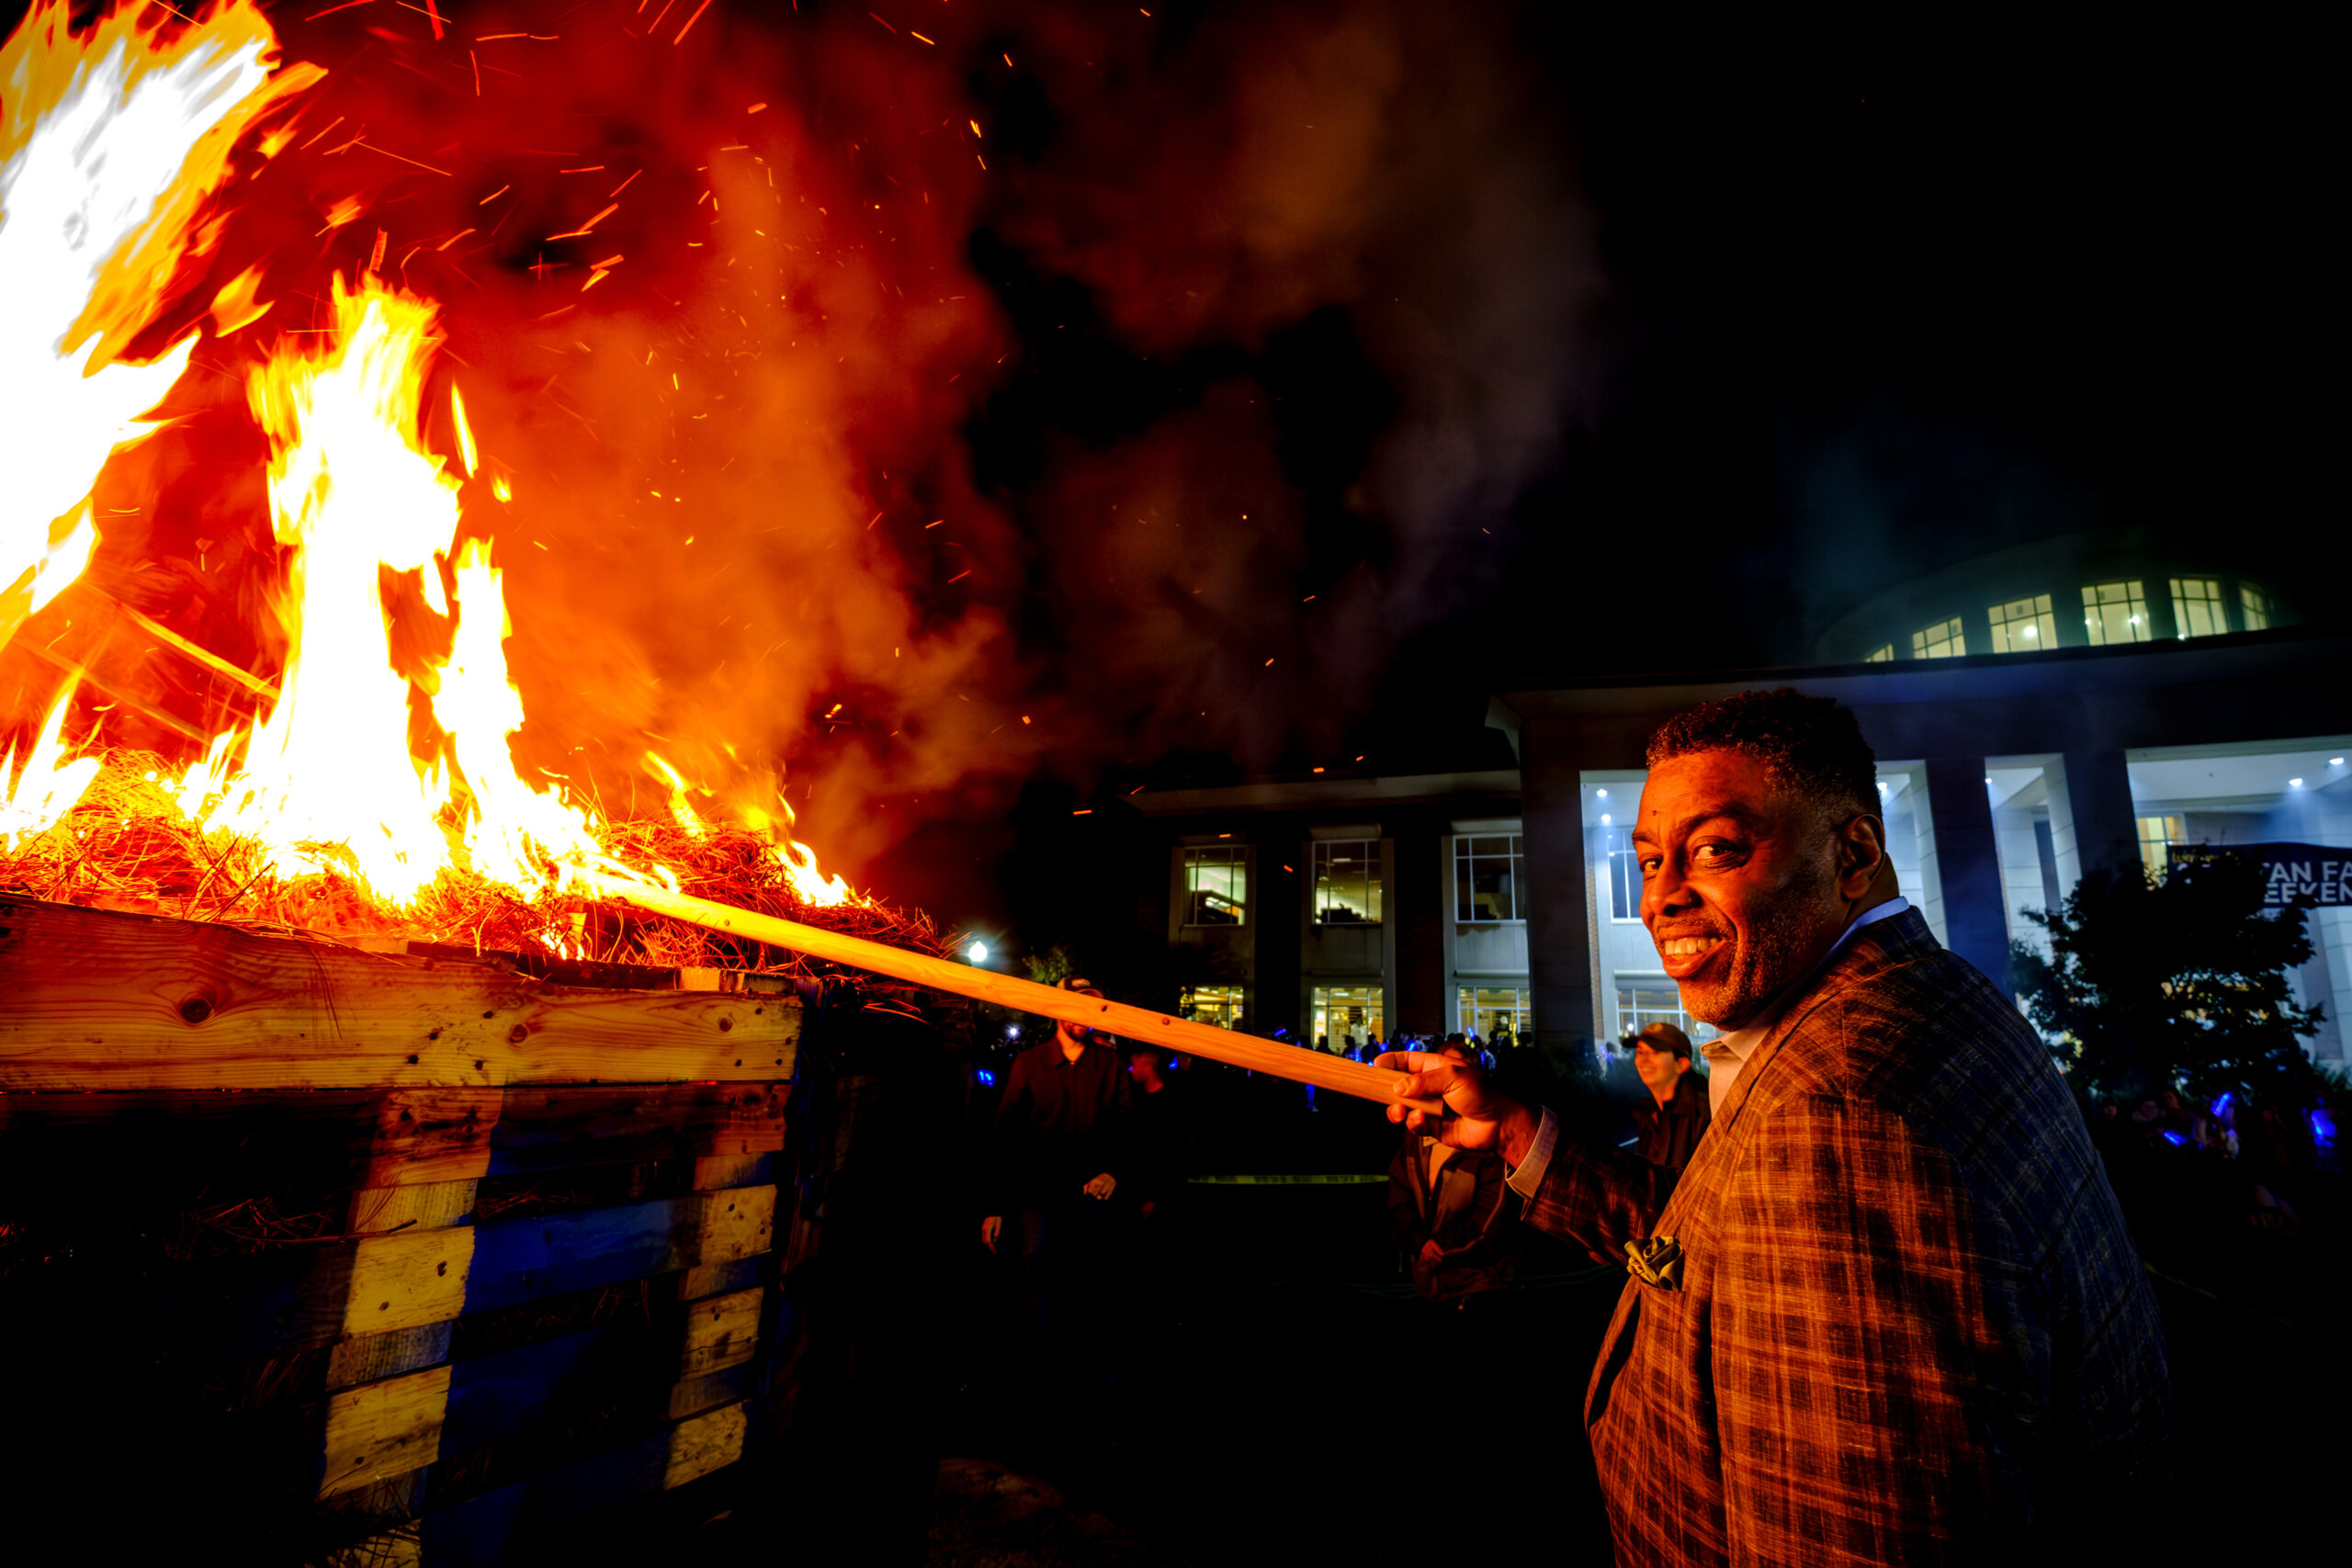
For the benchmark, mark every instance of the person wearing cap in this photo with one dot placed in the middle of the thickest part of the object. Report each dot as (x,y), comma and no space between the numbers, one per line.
(1058,1149)
(1670,1126)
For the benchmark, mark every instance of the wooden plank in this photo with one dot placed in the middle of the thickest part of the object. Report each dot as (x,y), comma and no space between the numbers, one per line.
(495,1527)
(700,1444)
(718,1279)
(520,1260)
(545,1128)
(691,1396)
(383,1429)
(370,1357)
(431,1205)
(408,1280)
(98,1000)
(432,1135)
(713,1172)
(721,1332)
(494,1397)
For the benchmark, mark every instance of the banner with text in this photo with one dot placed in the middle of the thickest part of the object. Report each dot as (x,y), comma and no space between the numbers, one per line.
(2291,871)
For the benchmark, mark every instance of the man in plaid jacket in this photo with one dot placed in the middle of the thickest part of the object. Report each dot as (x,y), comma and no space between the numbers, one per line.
(1890,1313)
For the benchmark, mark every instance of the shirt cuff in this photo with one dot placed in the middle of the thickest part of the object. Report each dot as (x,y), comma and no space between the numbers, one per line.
(1528,1175)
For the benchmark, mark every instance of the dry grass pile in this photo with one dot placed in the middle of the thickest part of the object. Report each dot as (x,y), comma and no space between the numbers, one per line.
(126,846)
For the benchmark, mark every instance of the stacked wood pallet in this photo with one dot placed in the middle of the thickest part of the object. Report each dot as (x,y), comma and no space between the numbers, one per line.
(431,1258)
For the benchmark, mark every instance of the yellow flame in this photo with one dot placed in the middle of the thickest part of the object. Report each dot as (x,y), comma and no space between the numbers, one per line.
(110,143)
(466,452)
(47,786)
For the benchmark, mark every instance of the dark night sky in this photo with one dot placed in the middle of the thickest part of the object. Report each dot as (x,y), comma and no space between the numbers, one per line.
(1876,297)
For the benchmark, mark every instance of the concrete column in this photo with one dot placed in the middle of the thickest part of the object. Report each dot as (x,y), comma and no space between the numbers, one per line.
(2098,798)
(1968,863)
(1559,929)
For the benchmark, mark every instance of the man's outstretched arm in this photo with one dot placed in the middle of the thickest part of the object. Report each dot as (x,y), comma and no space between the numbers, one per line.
(1598,1199)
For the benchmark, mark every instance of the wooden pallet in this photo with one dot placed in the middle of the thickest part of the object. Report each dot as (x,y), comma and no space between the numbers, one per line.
(545,1254)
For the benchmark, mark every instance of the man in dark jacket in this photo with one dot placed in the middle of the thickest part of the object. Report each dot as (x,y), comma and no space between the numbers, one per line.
(1451,1215)
(1671,1124)
(1060,1144)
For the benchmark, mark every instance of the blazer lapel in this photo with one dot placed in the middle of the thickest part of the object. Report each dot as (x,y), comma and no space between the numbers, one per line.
(1689,1214)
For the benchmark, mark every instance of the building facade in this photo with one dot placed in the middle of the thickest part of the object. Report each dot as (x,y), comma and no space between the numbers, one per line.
(1359,906)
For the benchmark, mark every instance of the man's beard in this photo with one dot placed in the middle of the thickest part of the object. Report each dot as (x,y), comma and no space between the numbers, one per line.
(1770,957)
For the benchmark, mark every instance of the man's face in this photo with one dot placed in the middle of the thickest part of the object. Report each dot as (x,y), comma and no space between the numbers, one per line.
(1739,882)
(1658,1069)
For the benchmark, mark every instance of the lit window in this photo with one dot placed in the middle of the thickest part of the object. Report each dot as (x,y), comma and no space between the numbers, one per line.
(1219,1005)
(1485,877)
(1624,876)
(2157,835)
(2114,613)
(1347,881)
(1482,1010)
(1943,640)
(1882,654)
(1645,1000)
(2255,605)
(1217,887)
(1344,1013)
(2023,625)
(2197,607)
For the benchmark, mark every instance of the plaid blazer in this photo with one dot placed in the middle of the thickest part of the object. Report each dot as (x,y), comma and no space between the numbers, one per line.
(1909,1325)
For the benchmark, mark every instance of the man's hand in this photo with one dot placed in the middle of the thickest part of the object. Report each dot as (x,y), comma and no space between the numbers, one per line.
(1457,1104)
(1432,1253)
(1101,1186)
(990,1229)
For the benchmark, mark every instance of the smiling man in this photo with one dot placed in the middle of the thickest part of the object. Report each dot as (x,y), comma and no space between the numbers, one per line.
(1890,1313)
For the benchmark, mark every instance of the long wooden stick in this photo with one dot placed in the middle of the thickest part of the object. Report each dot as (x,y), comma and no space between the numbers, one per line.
(1320,1068)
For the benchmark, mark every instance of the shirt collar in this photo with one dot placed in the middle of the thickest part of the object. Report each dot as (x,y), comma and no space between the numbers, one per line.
(1727,1054)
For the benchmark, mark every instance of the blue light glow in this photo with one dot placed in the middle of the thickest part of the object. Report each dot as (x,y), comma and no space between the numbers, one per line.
(2174,1139)
(988,1077)
(2222,1105)
(2322,1127)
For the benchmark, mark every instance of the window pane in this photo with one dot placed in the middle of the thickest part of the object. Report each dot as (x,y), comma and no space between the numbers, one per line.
(1347,881)
(2023,625)
(1484,1010)
(1217,887)
(1943,640)
(1343,1013)
(1624,876)
(2114,613)
(1218,1005)
(2197,607)
(2255,605)
(1882,654)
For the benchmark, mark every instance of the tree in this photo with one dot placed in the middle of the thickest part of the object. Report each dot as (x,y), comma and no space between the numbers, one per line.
(2179,980)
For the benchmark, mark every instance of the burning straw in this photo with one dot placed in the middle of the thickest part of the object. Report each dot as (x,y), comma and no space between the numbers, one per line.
(126,846)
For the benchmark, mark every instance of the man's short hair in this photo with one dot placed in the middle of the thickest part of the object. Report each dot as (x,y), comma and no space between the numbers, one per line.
(1812,747)
(1665,1037)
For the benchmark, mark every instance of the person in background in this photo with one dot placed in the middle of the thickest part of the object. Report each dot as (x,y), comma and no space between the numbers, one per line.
(1159,1134)
(1677,1114)
(1451,1215)
(1059,1145)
